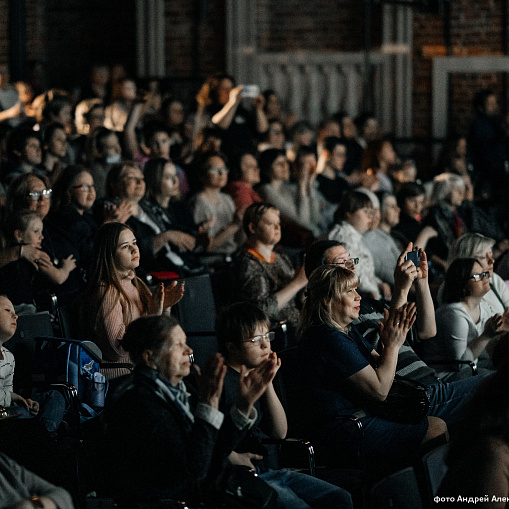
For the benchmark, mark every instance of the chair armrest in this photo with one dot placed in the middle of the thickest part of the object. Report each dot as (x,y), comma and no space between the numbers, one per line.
(298,446)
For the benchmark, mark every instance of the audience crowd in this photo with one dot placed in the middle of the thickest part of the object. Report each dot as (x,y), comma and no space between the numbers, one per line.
(111,198)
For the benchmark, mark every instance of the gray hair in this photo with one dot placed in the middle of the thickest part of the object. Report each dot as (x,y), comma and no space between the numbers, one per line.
(470,245)
(443,185)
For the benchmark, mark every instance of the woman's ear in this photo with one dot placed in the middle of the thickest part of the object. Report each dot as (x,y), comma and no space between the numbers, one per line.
(148,358)
(18,236)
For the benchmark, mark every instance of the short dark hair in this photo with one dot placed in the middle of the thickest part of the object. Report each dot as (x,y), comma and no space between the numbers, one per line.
(147,333)
(237,322)
(254,214)
(315,255)
(456,280)
(351,203)
(409,190)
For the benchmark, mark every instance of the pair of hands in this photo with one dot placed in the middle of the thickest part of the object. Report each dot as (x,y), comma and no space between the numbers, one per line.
(406,272)
(396,324)
(117,213)
(252,382)
(165,297)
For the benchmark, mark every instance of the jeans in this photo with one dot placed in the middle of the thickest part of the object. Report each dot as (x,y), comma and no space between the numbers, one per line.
(52,408)
(448,400)
(301,491)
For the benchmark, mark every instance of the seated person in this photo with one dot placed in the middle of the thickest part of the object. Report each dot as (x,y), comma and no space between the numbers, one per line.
(480,247)
(353,218)
(176,445)
(214,209)
(371,313)
(341,374)
(243,332)
(262,276)
(379,241)
(48,407)
(245,174)
(115,296)
(125,184)
(467,329)
(23,233)
(22,489)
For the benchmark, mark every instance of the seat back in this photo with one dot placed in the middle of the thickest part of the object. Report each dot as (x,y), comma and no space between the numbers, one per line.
(22,346)
(435,468)
(196,310)
(397,491)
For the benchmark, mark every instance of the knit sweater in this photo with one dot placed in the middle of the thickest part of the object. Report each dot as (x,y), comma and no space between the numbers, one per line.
(112,323)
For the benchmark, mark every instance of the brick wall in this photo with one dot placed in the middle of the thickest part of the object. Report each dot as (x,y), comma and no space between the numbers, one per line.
(320,25)
(476,29)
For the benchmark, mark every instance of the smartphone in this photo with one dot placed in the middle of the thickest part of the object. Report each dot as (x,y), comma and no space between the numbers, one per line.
(414,257)
(250,91)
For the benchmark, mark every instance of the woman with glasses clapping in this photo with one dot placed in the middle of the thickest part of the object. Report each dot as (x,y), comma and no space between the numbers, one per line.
(466,328)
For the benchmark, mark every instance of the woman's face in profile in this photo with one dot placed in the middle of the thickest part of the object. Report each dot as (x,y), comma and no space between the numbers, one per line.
(173,363)
(346,307)
(169,185)
(280,169)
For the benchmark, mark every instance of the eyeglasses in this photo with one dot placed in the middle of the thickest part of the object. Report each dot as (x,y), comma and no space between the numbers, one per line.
(348,264)
(37,195)
(480,277)
(258,339)
(85,187)
(218,170)
(139,180)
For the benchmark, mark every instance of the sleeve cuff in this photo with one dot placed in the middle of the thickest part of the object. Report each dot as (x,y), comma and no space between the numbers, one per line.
(209,414)
(241,420)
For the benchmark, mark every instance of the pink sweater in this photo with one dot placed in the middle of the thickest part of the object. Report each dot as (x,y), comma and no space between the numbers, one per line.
(111,324)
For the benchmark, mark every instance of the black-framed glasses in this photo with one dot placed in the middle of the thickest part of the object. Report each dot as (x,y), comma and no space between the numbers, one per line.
(36,195)
(480,277)
(85,187)
(262,337)
(349,264)
(218,170)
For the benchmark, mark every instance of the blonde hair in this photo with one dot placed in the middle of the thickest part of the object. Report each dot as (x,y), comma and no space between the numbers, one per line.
(326,284)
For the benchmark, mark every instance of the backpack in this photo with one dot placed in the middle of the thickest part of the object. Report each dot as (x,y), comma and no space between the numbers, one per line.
(73,363)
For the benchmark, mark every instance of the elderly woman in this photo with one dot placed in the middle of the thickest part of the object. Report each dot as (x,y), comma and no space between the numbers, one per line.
(261,275)
(444,216)
(466,325)
(342,374)
(175,445)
